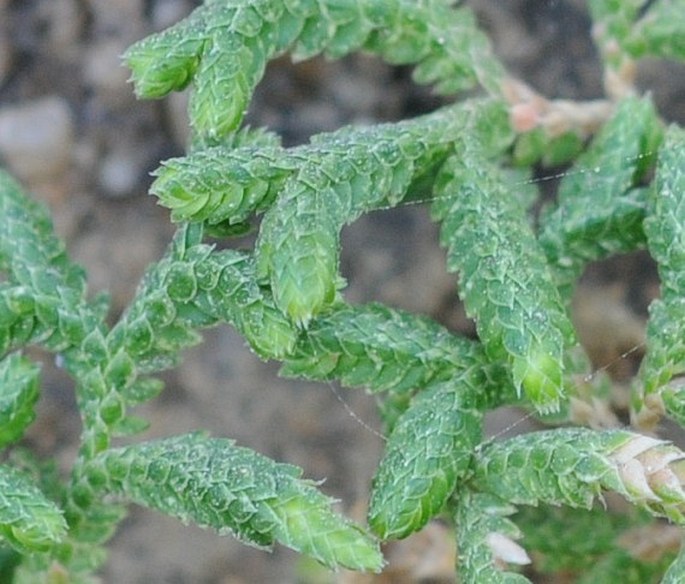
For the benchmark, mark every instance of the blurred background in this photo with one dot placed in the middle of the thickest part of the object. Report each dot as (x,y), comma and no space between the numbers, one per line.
(74,135)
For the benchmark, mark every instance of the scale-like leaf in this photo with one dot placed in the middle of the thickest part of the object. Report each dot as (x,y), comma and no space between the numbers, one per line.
(600,210)
(429,450)
(44,298)
(224,47)
(339,177)
(573,466)
(504,279)
(18,395)
(486,540)
(664,226)
(221,183)
(195,286)
(379,348)
(29,522)
(231,489)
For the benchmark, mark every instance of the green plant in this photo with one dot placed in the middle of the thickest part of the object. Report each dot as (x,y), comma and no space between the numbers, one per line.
(516,280)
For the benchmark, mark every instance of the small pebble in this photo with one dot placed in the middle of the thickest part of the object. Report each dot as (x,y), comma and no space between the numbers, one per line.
(65,20)
(121,18)
(105,73)
(5,44)
(168,12)
(120,172)
(176,111)
(36,138)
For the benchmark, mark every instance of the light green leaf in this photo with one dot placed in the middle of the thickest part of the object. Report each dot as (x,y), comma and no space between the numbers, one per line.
(196,286)
(339,177)
(600,210)
(221,184)
(44,298)
(382,349)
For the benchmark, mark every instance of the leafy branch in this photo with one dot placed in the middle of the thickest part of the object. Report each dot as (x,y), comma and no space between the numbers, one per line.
(285,297)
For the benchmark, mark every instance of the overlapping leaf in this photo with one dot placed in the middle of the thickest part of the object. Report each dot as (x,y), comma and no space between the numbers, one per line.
(43,299)
(504,279)
(224,47)
(18,396)
(574,466)
(486,540)
(339,177)
(221,183)
(383,349)
(231,489)
(29,522)
(429,450)
(195,286)
(600,210)
(666,241)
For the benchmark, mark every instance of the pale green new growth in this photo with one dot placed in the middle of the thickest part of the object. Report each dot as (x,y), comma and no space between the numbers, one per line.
(285,297)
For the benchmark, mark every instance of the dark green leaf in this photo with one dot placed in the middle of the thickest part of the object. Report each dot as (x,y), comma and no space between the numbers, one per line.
(232,489)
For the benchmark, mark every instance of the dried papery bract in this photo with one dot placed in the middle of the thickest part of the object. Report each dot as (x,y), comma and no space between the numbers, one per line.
(575,466)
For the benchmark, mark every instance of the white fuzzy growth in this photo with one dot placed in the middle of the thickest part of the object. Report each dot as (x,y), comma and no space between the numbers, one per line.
(505,549)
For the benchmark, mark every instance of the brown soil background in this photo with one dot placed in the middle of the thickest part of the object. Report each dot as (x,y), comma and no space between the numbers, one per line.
(74,135)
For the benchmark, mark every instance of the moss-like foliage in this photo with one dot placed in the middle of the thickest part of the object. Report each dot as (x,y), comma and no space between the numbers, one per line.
(285,296)
(217,484)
